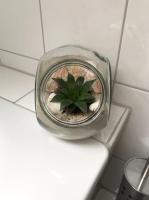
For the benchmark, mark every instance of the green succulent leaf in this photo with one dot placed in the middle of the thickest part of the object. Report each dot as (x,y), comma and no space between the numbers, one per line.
(58,98)
(87,85)
(71,79)
(65,103)
(71,108)
(80,80)
(60,82)
(74,95)
(86,97)
(82,106)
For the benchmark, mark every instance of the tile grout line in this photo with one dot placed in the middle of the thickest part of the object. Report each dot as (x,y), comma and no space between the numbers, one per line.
(17,70)
(18,54)
(6,99)
(109,190)
(42,29)
(23,96)
(17,105)
(120,42)
(131,86)
(118,158)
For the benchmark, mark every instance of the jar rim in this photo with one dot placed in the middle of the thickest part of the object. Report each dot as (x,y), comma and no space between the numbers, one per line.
(49,73)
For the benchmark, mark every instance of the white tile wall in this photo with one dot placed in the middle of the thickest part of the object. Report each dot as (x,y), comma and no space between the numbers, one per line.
(135,138)
(20,29)
(85,23)
(134,60)
(18,62)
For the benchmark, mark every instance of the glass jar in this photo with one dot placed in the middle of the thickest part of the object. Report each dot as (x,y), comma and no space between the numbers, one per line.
(72,93)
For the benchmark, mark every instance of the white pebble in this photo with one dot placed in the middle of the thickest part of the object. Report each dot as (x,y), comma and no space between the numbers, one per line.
(54,107)
(51,96)
(94,106)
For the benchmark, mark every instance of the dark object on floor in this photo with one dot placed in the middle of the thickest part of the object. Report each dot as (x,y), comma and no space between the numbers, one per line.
(135,182)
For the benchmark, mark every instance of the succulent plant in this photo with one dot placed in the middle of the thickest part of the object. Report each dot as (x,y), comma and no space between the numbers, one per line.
(74,95)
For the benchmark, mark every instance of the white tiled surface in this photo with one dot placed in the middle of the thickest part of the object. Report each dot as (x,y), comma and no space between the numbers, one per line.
(20,29)
(106,135)
(113,174)
(13,84)
(28,101)
(134,59)
(84,23)
(34,165)
(105,195)
(135,138)
(18,62)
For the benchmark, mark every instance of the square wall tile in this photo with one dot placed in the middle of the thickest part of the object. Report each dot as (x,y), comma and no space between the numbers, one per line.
(135,137)
(14,85)
(134,57)
(18,62)
(113,174)
(21,27)
(93,24)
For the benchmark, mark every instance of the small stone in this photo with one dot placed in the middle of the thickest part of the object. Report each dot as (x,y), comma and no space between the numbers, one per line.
(89,75)
(97,87)
(94,106)
(76,71)
(51,86)
(51,97)
(60,73)
(54,107)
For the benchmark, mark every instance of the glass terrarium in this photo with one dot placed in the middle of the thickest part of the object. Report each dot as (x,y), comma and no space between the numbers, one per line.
(73,92)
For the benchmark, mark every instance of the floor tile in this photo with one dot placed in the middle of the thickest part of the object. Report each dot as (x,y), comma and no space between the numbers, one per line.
(13,84)
(105,195)
(113,174)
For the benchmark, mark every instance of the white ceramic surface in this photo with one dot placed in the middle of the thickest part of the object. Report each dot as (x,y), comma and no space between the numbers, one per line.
(113,174)
(20,29)
(134,58)
(13,84)
(84,23)
(105,195)
(135,138)
(18,62)
(35,166)
(28,101)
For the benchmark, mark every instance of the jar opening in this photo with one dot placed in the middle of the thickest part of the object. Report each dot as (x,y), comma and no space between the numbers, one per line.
(71,93)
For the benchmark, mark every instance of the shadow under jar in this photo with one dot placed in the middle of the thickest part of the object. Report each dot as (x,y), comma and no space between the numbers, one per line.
(72,94)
